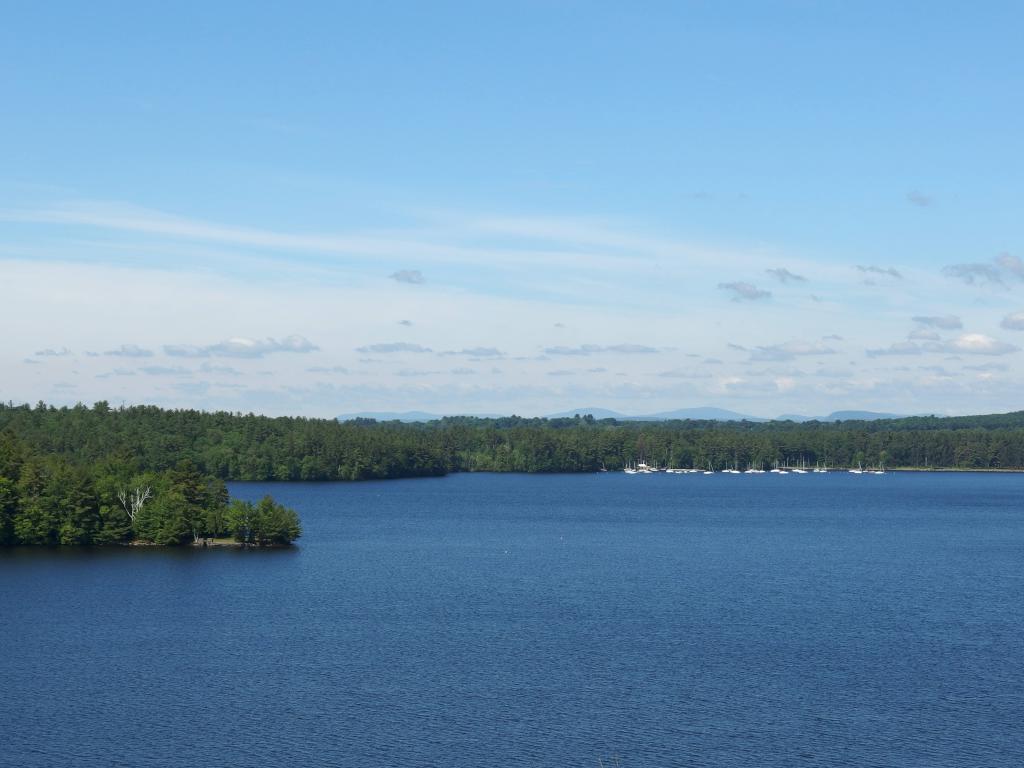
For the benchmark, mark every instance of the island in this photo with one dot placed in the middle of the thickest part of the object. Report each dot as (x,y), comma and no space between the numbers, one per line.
(55,497)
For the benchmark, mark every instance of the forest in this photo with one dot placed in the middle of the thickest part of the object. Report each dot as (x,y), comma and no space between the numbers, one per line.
(87,496)
(233,446)
(142,474)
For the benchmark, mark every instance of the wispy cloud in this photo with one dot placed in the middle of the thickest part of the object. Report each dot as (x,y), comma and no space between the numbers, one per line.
(974,273)
(243,347)
(163,370)
(745,291)
(223,370)
(478,352)
(918,198)
(965,343)
(994,272)
(790,351)
(1013,322)
(876,270)
(595,349)
(783,275)
(129,350)
(328,369)
(449,239)
(1012,264)
(945,322)
(393,347)
(683,373)
(62,352)
(411,276)
(898,348)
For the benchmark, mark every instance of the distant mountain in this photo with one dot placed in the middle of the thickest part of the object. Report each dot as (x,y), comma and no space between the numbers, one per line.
(703,414)
(406,416)
(697,414)
(842,416)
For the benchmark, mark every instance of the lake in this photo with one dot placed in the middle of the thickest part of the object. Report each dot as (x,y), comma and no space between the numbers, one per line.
(513,620)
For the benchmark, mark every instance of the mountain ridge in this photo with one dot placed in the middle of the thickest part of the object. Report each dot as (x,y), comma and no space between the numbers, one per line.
(702,413)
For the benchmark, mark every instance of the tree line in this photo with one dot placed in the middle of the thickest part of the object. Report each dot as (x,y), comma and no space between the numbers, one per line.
(50,497)
(234,446)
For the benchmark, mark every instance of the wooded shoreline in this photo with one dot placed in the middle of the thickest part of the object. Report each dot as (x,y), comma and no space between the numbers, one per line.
(233,446)
(99,475)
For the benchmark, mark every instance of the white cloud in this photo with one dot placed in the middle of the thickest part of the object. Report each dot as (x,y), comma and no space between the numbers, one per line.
(966,343)
(243,347)
(980,344)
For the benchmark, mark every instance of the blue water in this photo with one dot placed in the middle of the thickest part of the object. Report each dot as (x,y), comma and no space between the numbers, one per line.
(509,620)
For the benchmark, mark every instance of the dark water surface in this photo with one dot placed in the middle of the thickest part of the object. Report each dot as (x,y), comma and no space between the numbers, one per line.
(509,620)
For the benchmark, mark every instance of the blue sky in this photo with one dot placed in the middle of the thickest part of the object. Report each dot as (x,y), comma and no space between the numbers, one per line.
(529,207)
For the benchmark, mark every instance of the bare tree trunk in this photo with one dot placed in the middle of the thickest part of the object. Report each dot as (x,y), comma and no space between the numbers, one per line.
(133,501)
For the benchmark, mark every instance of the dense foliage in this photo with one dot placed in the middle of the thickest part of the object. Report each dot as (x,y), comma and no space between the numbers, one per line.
(230,446)
(65,497)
